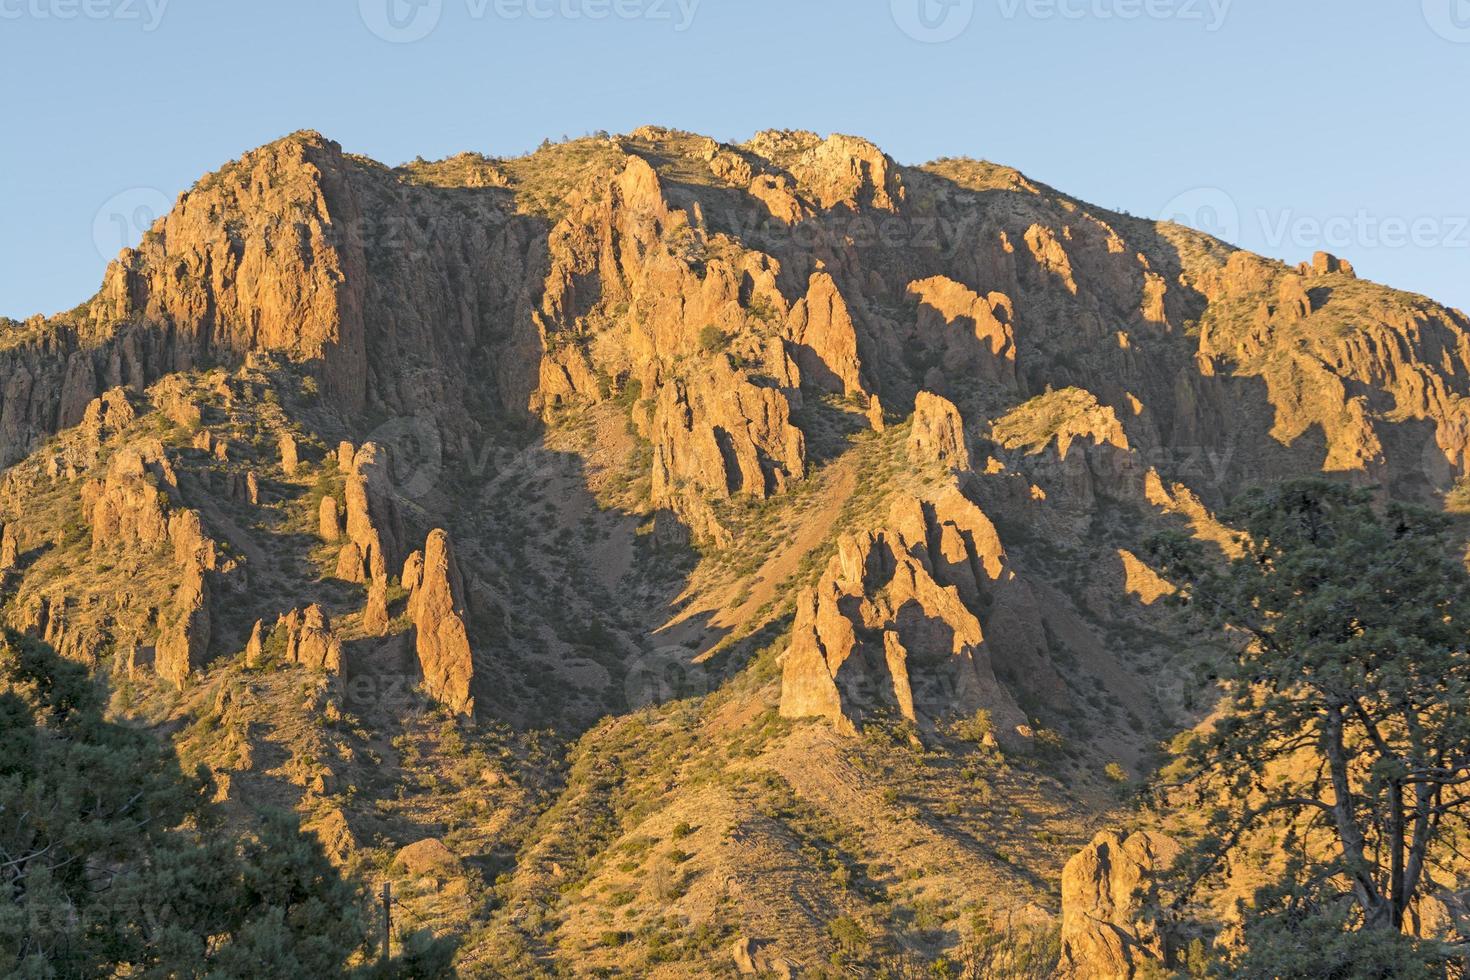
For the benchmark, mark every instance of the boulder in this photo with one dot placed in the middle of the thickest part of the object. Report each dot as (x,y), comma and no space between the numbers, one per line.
(1110,903)
(429,858)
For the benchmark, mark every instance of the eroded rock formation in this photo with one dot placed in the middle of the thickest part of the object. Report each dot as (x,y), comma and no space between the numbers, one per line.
(938,434)
(1110,906)
(310,641)
(437,608)
(184,630)
(890,626)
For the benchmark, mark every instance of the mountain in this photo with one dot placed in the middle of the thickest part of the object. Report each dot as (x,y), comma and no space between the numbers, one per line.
(656,555)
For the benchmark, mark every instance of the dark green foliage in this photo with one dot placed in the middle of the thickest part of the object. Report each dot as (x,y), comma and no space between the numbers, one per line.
(712,339)
(1290,939)
(113,861)
(1346,720)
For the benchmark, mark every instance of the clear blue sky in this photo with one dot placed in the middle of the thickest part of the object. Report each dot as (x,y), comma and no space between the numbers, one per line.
(1286,124)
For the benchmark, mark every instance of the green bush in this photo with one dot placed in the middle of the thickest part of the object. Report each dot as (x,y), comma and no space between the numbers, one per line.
(712,339)
(976,728)
(847,934)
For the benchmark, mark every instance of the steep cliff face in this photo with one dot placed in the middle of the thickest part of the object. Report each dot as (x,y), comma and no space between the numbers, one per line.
(743,450)
(260,255)
(393,284)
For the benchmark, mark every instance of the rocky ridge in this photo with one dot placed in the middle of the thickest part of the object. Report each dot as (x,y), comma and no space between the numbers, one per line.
(827,446)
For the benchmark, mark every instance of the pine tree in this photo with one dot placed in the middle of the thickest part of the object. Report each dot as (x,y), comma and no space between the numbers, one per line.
(1346,711)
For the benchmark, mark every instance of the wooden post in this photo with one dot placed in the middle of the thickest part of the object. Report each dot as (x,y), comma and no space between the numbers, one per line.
(387,919)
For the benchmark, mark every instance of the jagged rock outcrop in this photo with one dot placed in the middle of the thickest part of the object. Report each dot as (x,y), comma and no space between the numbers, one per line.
(1325,264)
(888,627)
(329,525)
(372,524)
(375,613)
(107,415)
(824,339)
(247,259)
(290,453)
(1110,906)
(938,434)
(56,620)
(191,545)
(255,647)
(310,641)
(183,638)
(721,435)
(128,507)
(1074,445)
(244,488)
(350,564)
(413,571)
(847,170)
(973,335)
(9,548)
(437,608)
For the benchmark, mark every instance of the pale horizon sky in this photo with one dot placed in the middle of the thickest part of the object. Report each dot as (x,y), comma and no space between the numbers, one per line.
(1283,127)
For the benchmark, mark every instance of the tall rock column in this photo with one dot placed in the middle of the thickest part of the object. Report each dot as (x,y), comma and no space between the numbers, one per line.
(184,640)
(437,609)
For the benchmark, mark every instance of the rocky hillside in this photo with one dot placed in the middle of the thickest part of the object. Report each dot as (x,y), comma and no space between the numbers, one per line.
(654,555)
